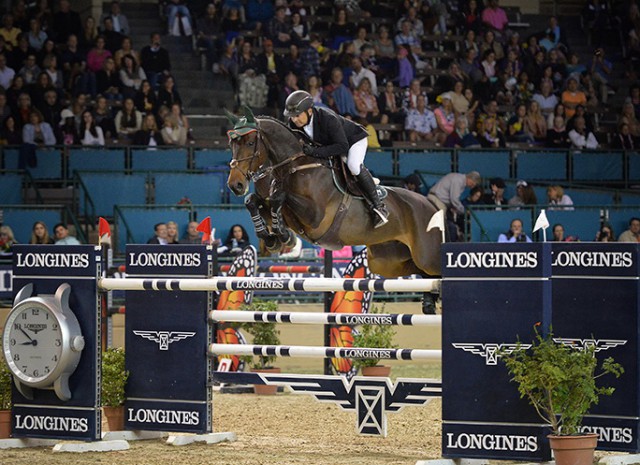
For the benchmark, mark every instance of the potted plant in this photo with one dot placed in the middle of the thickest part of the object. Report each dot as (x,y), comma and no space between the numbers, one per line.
(374,336)
(6,380)
(263,334)
(114,380)
(559,381)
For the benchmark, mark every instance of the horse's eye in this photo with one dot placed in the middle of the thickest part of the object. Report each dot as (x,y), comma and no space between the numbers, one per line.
(250,143)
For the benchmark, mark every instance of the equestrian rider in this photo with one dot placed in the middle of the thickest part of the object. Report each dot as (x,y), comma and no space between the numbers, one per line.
(335,136)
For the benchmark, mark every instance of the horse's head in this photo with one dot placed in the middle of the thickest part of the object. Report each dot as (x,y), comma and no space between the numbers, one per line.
(247,154)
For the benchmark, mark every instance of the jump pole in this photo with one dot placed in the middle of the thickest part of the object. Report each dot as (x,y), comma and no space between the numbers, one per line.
(394,319)
(270,284)
(326,352)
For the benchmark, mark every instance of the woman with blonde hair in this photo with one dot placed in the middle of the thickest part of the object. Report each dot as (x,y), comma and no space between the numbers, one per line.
(40,234)
(535,122)
(7,240)
(172,132)
(172,232)
(558,200)
(628,116)
(367,104)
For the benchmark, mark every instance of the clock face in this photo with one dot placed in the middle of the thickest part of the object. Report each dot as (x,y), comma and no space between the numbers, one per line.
(33,342)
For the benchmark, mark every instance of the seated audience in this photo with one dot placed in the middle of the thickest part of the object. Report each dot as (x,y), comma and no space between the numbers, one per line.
(62,235)
(633,233)
(515,233)
(40,234)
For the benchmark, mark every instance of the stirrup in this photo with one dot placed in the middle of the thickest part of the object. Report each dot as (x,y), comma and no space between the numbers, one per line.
(380,218)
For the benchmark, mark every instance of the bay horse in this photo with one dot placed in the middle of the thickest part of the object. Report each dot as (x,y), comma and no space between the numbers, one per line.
(303,195)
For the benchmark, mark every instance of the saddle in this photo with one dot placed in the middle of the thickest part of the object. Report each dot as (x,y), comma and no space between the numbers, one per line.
(346,182)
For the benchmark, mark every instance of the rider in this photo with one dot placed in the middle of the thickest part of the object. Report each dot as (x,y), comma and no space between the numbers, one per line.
(336,136)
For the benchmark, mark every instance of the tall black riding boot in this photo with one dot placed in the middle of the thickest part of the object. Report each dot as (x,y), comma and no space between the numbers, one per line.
(377,207)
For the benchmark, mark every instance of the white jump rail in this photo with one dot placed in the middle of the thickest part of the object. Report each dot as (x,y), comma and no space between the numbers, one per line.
(395,319)
(325,352)
(270,284)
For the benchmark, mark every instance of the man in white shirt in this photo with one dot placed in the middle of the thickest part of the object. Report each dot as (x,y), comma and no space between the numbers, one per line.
(580,137)
(6,73)
(62,235)
(359,73)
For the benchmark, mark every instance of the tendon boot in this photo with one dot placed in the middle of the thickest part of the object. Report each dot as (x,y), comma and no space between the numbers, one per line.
(377,207)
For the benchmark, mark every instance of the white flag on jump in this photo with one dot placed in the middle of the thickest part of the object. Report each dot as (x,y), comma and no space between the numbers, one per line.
(437,222)
(542,222)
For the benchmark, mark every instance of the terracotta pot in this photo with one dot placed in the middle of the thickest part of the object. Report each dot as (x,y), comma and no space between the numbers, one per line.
(378,370)
(5,424)
(573,450)
(114,417)
(265,389)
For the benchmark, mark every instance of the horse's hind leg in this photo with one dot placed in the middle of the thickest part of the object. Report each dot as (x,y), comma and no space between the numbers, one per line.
(391,260)
(253,203)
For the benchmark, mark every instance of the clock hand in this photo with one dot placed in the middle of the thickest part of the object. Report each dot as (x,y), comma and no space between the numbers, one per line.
(30,343)
(28,337)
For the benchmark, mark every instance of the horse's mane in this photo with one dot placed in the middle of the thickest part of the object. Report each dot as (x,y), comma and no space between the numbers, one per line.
(295,132)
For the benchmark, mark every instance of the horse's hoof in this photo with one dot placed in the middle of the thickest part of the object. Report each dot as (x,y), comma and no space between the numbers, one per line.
(272,243)
(428,305)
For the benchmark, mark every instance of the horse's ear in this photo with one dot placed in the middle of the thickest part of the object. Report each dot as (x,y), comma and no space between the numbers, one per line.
(248,113)
(233,119)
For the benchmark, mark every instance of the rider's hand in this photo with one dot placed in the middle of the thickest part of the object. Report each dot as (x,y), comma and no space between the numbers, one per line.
(307,149)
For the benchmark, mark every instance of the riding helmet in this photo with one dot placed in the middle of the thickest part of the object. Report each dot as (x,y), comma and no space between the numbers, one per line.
(297,102)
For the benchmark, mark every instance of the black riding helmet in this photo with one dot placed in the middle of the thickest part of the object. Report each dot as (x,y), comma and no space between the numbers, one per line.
(297,102)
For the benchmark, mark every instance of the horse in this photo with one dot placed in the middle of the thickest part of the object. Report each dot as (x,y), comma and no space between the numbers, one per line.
(305,198)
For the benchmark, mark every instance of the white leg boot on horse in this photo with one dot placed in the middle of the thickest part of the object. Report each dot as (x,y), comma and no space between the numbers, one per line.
(377,207)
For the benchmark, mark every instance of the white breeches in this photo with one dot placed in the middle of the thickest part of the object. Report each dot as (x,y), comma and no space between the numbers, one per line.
(355,158)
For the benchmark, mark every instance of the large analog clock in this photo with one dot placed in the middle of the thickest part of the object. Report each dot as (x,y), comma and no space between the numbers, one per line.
(42,342)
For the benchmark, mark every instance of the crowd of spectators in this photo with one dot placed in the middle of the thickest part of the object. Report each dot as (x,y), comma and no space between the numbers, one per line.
(69,82)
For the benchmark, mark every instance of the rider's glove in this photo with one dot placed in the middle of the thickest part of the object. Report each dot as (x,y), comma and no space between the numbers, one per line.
(308,150)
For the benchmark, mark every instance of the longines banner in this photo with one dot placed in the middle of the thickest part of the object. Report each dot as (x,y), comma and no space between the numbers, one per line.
(596,303)
(494,294)
(40,413)
(166,330)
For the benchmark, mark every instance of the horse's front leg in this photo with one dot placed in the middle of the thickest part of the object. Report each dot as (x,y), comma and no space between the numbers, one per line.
(278,227)
(253,203)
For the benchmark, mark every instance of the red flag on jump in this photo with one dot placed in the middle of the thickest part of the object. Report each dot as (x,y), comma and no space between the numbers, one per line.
(205,228)
(104,232)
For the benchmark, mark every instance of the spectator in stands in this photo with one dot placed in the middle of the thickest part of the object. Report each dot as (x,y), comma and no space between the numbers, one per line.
(605,233)
(108,82)
(23,105)
(236,241)
(74,64)
(292,62)
(421,123)
(472,16)
(168,94)
(40,234)
(341,29)
(209,35)
(310,57)
(160,234)
(66,22)
(181,118)
(179,18)
(557,135)
(299,29)
(103,117)
(366,103)
(149,134)
(279,29)
(623,140)
(557,199)
(572,97)
(87,39)
(595,15)
(337,96)
(525,195)
(37,133)
(128,120)
(41,10)
(172,232)
(155,61)
(580,137)
(145,99)
(633,233)
(232,24)
(360,39)
(192,236)
(97,56)
(390,105)
(413,183)
(126,48)
(172,133)
(385,50)
(589,89)
(490,135)
(445,116)
(408,38)
(628,117)
(90,133)
(446,195)
(489,43)
(246,58)
(546,99)
(36,35)
(558,234)
(535,123)
(470,66)
(132,76)
(359,73)
(62,235)
(474,197)
(5,110)
(405,71)
(50,66)
(113,39)
(494,17)
(30,71)
(7,240)
(517,126)
(120,21)
(461,137)
(68,129)
(515,233)
(272,66)
(6,73)
(10,133)
(581,112)
(9,31)
(495,196)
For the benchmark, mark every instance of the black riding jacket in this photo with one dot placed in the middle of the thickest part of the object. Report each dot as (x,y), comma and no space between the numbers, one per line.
(334,133)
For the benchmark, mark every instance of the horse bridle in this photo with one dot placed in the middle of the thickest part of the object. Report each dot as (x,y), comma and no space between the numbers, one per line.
(254,176)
